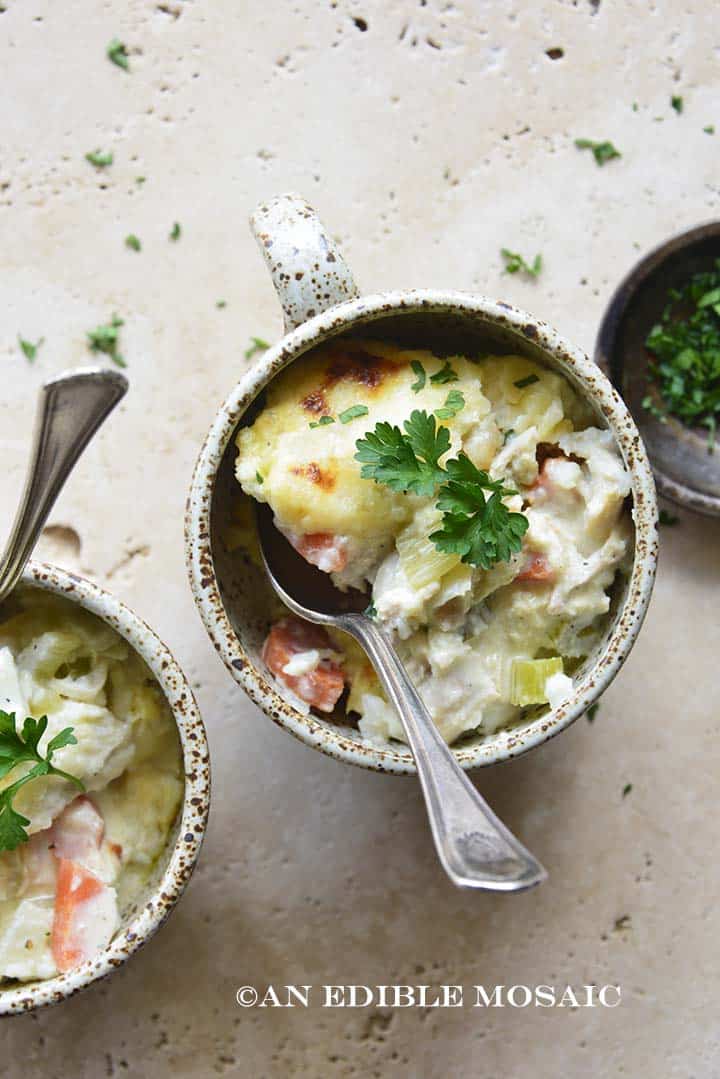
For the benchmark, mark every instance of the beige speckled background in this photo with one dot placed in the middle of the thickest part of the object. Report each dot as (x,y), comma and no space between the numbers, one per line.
(428,140)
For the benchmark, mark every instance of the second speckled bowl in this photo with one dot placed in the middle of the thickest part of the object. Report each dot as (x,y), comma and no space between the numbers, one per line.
(175,866)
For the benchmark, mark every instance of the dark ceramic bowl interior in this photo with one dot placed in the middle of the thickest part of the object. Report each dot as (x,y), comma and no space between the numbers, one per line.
(685,471)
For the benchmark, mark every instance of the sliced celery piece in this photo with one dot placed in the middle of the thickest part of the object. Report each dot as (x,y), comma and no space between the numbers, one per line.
(528,678)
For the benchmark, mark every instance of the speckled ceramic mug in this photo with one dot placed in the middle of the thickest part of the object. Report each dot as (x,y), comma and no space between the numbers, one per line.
(176,864)
(321,301)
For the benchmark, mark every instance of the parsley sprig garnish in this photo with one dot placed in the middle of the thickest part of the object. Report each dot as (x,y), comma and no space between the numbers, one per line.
(22,748)
(685,345)
(405,462)
(482,530)
(515,263)
(602,151)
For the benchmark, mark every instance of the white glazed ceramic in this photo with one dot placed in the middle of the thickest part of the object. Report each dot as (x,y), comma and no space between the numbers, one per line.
(321,301)
(178,861)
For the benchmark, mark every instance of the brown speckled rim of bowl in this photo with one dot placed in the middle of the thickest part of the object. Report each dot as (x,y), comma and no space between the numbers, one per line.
(561,355)
(193,739)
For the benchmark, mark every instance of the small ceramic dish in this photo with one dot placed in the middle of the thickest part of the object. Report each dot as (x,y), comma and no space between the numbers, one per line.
(320,301)
(175,866)
(684,470)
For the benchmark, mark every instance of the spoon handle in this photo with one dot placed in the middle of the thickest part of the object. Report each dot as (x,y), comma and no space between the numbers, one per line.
(475,848)
(70,410)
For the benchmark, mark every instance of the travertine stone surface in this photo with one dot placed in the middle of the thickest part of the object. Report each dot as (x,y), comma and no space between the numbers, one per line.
(428,135)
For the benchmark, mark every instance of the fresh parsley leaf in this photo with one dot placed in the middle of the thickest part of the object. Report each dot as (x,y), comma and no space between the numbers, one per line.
(626,789)
(685,353)
(405,462)
(256,345)
(710,129)
(353,413)
(602,151)
(117,53)
(454,403)
(259,478)
(322,422)
(370,611)
(105,339)
(100,158)
(527,381)
(677,103)
(28,349)
(220,304)
(175,232)
(514,263)
(133,242)
(481,530)
(16,748)
(445,374)
(668,519)
(419,370)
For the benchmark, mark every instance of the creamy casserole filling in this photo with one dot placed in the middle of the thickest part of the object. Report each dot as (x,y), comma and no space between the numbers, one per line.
(480,642)
(87,855)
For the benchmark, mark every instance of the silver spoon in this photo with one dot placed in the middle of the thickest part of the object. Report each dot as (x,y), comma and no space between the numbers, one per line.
(70,410)
(474,847)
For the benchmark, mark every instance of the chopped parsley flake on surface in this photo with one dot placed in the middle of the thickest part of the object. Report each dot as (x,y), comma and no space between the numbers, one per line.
(602,151)
(221,303)
(710,129)
(259,478)
(353,413)
(117,53)
(515,263)
(100,158)
(677,103)
(592,712)
(323,421)
(133,242)
(668,519)
(419,370)
(105,339)
(256,345)
(527,381)
(626,789)
(445,374)
(28,349)
(175,232)
(685,351)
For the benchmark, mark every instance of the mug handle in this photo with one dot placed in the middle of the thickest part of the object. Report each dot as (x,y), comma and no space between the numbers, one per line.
(308,271)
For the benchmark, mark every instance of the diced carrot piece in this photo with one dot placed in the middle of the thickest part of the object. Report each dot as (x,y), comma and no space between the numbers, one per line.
(85,915)
(320,687)
(536,568)
(324,550)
